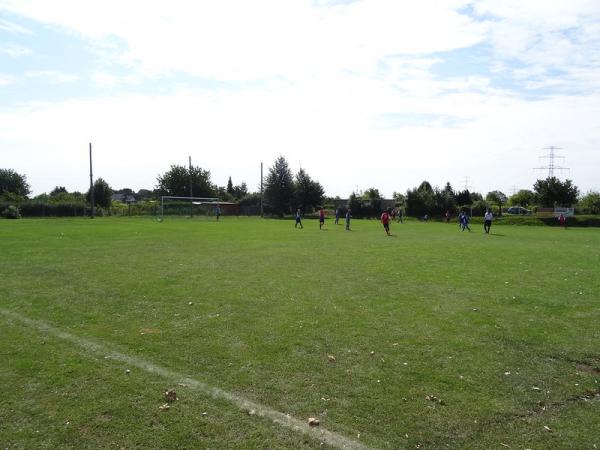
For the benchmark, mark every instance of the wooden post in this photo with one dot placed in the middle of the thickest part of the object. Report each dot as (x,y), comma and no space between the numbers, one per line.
(191,194)
(92,186)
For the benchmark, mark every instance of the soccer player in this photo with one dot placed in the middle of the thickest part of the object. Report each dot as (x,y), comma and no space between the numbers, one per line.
(321,218)
(465,222)
(562,220)
(348,216)
(385,220)
(487,221)
(218,212)
(298,219)
(337,216)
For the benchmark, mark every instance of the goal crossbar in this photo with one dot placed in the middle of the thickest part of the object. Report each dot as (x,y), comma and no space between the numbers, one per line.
(191,199)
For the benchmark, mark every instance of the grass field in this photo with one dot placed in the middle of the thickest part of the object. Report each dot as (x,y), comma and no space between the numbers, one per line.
(441,338)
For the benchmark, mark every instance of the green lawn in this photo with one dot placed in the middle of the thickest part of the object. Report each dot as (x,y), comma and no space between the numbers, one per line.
(502,329)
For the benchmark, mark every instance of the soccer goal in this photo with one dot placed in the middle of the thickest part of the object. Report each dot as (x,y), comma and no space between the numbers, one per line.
(186,206)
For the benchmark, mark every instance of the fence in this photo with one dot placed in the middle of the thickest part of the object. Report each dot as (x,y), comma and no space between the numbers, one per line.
(555,212)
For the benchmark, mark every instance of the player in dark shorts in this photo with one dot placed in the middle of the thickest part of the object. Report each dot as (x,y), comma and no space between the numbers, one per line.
(487,221)
(321,218)
(385,220)
(298,219)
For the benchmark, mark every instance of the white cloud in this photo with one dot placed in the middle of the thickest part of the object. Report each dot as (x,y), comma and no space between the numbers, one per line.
(12,27)
(53,76)
(5,79)
(14,50)
(545,36)
(232,39)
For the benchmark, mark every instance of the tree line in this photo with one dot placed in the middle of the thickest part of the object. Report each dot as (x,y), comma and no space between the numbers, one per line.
(284,192)
(550,192)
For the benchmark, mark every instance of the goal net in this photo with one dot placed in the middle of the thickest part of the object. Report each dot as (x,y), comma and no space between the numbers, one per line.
(196,206)
(187,206)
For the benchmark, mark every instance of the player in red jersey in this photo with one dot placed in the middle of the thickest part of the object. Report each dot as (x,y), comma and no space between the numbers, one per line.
(385,220)
(562,220)
(321,218)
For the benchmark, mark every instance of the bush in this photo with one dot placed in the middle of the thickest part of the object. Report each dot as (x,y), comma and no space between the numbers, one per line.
(41,209)
(479,207)
(11,212)
(575,221)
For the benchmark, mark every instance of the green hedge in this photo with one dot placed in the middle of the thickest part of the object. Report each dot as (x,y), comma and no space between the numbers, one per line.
(575,221)
(38,209)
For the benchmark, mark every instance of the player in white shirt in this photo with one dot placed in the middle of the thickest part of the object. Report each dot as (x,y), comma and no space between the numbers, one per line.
(487,221)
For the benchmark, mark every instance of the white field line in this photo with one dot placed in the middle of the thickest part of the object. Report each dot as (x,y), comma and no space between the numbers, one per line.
(285,420)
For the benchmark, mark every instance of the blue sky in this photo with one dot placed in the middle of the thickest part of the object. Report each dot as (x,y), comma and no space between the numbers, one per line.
(368,93)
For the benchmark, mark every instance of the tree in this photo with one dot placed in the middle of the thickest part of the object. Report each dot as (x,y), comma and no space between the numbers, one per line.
(524,198)
(371,194)
(279,187)
(496,198)
(426,199)
(77,196)
(355,205)
(421,200)
(222,194)
(476,197)
(553,192)
(102,193)
(125,191)
(464,198)
(445,201)
(230,189)
(60,195)
(400,199)
(308,193)
(58,190)
(590,203)
(373,204)
(144,194)
(478,207)
(176,182)
(425,186)
(240,191)
(13,183)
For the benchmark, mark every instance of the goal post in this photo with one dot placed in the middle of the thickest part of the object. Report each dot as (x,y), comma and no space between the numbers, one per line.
(193,200)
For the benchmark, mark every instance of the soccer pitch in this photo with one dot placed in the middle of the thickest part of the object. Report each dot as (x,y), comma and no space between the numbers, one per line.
(430,338)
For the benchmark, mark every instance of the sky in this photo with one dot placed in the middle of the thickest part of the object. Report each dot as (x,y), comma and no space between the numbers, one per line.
(360,94)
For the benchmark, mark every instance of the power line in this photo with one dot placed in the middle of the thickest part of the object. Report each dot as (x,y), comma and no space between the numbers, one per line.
(551,156)
(466,183)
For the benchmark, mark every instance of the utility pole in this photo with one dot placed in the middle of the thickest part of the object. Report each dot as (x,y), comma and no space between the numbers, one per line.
(466,183)
(551,156)
(92,185)
(261,189)
(191,193)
